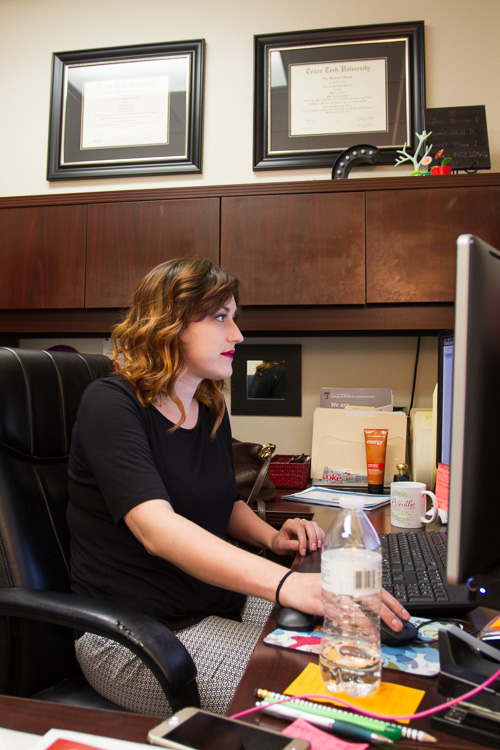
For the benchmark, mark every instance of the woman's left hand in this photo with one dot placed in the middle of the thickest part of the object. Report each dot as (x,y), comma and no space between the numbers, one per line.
(297,535)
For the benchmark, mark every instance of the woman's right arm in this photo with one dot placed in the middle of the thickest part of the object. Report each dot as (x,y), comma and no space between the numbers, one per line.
(201,554)
(205,556)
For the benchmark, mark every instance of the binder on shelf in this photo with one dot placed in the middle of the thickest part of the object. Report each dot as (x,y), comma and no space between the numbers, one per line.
(423,453)
(362,398)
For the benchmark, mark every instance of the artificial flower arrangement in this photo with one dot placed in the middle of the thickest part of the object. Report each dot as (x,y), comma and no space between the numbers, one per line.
(421,162)
(444,167)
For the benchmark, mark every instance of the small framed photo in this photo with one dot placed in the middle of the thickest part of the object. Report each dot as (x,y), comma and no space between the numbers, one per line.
(317,93)
(267,380)
(126,111)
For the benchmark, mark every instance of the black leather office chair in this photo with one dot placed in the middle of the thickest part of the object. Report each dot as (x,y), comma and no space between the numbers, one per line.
(39,396)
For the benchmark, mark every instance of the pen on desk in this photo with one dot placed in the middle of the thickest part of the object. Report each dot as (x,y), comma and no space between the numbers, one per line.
(335,726)
(392,730)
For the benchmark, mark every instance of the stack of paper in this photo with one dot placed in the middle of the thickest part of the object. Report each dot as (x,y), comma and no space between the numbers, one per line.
(327,496)
(361,398)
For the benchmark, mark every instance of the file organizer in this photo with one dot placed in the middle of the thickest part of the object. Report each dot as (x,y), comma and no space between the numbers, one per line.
(339,440)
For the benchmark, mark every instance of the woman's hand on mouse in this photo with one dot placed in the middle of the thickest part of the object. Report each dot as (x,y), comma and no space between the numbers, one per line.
(392,612)
(298,535)
(302,591)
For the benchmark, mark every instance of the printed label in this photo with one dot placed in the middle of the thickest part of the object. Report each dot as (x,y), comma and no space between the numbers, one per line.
(351,571)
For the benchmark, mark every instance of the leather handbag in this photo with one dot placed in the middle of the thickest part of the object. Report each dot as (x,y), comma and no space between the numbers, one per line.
(251,464)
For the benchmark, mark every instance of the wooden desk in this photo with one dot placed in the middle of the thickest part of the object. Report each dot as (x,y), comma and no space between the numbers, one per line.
(37,717)
(274,668)
(270,668)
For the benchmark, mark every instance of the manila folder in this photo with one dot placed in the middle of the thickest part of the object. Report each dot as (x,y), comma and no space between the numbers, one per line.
(339,440)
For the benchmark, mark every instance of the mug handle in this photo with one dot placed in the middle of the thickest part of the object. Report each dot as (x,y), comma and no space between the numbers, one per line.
(434,510)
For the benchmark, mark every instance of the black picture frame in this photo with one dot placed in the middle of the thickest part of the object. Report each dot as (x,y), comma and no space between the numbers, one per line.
(126,111)
(288,406)
(302,78)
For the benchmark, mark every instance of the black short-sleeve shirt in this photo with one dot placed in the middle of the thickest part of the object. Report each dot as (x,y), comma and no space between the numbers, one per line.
(123,454)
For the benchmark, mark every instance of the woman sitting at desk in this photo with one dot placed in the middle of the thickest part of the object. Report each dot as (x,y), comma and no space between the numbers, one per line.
(153,497)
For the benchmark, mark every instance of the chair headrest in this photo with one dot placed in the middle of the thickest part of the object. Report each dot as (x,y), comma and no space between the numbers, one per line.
(39,396)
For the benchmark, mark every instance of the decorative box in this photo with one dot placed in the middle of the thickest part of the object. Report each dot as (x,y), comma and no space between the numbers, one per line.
(290,475)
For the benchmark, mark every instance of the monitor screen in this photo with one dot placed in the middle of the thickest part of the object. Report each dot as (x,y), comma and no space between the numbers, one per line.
(474,498)
(446,345)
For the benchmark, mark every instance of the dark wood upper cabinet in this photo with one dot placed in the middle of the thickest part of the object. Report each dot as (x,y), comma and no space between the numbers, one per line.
(42,257)
(411,239)
(367,254)
(126,240)
(306,249)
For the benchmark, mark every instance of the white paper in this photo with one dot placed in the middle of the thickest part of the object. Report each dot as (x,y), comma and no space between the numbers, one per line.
(11,739)
(329,98)
(125,112)
(326,496)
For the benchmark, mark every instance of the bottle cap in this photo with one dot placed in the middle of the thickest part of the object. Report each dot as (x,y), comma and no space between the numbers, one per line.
(402,475)
(351,501)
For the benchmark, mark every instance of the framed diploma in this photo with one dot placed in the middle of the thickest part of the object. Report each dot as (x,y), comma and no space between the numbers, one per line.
(317,93)
(126,111)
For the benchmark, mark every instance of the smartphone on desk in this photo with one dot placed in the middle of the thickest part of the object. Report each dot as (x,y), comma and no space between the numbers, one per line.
(194,729)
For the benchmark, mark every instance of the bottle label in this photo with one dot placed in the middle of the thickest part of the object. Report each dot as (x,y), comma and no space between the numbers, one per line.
(352,572)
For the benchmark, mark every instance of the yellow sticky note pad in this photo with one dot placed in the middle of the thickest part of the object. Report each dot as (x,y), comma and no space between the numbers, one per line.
(389,700)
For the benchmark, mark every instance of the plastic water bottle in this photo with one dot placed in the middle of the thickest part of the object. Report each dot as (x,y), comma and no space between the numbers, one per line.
(351,579)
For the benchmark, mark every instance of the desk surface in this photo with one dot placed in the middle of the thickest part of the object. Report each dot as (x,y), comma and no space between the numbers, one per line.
(37,717)
(274,668)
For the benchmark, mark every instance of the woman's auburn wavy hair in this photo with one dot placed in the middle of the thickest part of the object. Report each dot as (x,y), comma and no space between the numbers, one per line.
(147,346)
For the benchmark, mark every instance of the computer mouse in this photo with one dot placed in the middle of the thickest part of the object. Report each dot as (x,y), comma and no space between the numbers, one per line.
(293,619)
(390,637)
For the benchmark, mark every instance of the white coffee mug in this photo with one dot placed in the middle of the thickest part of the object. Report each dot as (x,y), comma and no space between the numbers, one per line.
(409,505)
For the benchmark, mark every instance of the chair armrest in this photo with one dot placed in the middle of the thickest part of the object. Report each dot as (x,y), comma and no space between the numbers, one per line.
(148,638)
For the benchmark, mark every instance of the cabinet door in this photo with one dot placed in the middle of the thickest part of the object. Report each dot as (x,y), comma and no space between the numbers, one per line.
(306,249)
(126,240)
(411,239)
(42,259)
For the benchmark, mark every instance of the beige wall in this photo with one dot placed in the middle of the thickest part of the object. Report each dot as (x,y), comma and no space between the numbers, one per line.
(462,67)
(376,362)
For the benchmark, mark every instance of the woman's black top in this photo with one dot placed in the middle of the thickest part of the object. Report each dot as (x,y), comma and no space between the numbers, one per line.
(123,454)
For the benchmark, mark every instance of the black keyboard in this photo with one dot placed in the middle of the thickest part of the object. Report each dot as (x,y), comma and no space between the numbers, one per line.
(413,570)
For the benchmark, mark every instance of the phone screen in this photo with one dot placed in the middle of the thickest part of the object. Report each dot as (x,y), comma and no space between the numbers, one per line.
(207,732)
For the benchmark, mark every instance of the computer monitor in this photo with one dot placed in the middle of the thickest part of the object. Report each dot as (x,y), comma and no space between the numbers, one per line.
(474,495)
(446,346)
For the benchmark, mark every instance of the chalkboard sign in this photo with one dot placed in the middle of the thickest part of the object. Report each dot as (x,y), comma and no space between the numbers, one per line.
(462,133)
